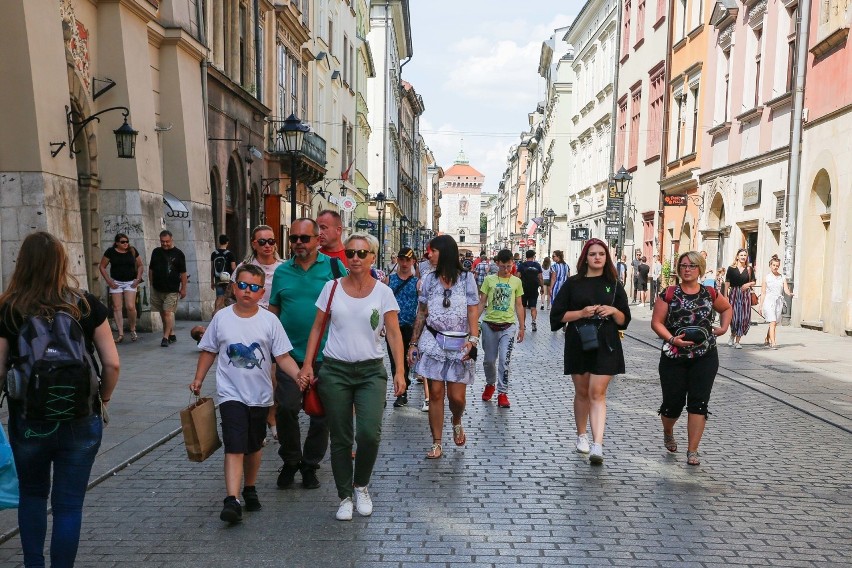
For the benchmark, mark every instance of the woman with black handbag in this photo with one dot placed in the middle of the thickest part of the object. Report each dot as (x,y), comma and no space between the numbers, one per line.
(594,305)
(683,319)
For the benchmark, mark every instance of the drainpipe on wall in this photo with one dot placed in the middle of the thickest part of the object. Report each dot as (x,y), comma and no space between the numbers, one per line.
(614,120)
(257,71)
(399,154)
(664,147)
(794,173)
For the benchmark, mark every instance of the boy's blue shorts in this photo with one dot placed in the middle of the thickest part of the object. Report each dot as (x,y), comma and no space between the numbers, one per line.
(243,427)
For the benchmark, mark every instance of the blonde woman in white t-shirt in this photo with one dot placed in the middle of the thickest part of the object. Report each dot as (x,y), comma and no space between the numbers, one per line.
(353,370)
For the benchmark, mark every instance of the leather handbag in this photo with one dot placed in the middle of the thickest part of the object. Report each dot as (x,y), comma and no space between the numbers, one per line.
(311,401)
(754,298)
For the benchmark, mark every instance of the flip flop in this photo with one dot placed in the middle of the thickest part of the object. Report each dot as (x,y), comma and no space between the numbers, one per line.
(692,458)
(459,436)
(133,336)
(435,452)
(119,339)
(670,443)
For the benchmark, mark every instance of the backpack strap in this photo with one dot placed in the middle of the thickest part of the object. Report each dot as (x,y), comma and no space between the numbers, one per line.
(713,293)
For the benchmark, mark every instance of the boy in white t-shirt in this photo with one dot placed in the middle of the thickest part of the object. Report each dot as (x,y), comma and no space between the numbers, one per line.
(246,340)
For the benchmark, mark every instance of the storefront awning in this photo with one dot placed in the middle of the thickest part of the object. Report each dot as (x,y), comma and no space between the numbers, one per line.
(174,206)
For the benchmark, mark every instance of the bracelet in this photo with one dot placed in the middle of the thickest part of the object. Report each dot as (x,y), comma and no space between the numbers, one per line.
(474,339)
(670,340)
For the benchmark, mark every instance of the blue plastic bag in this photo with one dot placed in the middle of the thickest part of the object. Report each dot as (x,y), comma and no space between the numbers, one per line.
(8,475)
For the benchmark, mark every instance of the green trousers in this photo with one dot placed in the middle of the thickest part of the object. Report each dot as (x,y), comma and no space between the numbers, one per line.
(343,386)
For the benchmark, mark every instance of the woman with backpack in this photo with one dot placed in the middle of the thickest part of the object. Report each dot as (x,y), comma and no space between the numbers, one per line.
(689,360)
(125,274)
(53,454)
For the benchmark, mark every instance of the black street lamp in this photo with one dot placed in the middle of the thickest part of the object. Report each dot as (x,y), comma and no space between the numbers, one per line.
(622,179)
(293,133)
(403,225)
(125,136)
(549,214)
(380,208)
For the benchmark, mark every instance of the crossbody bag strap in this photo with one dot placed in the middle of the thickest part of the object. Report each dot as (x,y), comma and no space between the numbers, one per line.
(325,319)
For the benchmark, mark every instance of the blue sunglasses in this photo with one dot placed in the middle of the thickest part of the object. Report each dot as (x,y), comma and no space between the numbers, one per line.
(253,287)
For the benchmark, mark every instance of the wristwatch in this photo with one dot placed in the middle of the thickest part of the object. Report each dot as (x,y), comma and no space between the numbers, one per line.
(473,339)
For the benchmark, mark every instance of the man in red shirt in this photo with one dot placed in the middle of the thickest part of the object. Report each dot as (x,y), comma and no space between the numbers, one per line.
(331,235)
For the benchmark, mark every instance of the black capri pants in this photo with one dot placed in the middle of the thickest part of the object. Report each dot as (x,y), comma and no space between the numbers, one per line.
(687,382)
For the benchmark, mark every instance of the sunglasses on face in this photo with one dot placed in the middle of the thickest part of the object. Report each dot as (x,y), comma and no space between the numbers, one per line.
(447,293)
(687,266)
(123,242)
(362,253)
(304,238)
(253,287)
(264,242)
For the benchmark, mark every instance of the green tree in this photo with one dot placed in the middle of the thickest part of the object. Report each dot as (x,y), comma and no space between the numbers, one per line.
(483,223)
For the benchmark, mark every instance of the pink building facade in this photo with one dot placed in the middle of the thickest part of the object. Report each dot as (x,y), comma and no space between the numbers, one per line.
(823,254)
(747,100)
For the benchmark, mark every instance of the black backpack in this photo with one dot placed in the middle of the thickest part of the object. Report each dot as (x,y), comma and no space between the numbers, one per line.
(220,266)
(55,375)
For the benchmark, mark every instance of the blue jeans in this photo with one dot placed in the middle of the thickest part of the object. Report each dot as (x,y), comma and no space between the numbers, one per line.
(70,447)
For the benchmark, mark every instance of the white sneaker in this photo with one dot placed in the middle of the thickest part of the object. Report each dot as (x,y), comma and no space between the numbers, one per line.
(583,443)
(362,502)
(731,342)
(344,512)
(596,454)
(425,407)
(737,346)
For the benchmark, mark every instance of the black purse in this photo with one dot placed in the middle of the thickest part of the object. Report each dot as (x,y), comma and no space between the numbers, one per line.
(588,332)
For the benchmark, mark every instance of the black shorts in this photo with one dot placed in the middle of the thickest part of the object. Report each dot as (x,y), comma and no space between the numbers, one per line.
(243,427)
(642,286)
(530,297)
(687,382)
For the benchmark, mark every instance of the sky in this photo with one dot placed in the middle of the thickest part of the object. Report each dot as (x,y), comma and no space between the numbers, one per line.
(475,64)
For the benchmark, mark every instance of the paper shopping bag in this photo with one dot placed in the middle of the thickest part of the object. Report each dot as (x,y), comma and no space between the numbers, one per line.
(200,434)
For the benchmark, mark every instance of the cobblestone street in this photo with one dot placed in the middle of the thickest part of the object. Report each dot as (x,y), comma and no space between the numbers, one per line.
(773,487)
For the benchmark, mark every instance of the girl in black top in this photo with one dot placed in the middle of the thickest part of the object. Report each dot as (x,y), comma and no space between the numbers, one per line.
(125,274)
(53,458)
(593,296)
(683,318)
(740,280)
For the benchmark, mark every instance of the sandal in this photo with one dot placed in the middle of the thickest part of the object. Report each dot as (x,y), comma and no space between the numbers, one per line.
(459,436)
(669,442)
(133,336)
(119,339)
(692,458)
(435,452)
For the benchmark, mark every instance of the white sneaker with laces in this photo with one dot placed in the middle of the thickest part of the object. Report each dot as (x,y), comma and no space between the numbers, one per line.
(363,502)
(425,407)
(737,346)
(344,512)
(583,443)
(731,342)
(596,454)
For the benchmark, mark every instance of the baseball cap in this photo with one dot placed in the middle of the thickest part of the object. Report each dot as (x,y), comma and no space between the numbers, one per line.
(405,252)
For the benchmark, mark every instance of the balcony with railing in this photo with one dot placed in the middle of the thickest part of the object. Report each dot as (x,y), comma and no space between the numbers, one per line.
(312,158)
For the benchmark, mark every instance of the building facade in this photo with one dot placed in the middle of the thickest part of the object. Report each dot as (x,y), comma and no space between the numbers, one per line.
(639,118)
(555,67)
(823,256)
(76,60)
(593,38)
(461,195)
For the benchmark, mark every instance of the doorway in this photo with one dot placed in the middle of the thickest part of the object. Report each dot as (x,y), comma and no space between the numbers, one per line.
(751,246)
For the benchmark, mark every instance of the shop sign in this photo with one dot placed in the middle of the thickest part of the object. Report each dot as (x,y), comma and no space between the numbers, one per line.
(613,231)
(580,234)
(751,193)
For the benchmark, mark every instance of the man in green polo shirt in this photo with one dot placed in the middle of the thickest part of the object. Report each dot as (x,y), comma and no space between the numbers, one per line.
(296,285)
(500,299)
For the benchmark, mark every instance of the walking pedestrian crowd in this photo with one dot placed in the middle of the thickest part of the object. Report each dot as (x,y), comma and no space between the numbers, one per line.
(323,319)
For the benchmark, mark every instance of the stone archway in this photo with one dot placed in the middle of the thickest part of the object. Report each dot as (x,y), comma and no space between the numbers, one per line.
(816,257)
(88,180)
(233,210)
